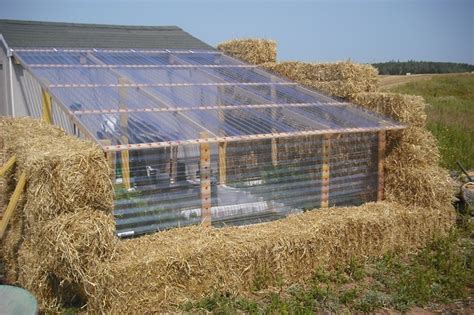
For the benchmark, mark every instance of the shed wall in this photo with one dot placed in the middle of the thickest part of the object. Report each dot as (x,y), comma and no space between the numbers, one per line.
(249,181)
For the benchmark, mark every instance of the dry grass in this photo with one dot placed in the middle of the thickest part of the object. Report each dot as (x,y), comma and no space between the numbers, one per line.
(254,51)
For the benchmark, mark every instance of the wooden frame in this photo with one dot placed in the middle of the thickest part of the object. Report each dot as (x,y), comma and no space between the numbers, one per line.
(191,108)
(325,169)
(20,186)
(8,165)
(144,146)
(381,162)
(47,108)
(89,85)
(205,180)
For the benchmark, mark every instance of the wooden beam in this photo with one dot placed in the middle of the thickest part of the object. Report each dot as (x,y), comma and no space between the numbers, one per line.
(164,144)
(205,180)
(326,148)
(210,107)
(381,172)
(100,85)
(7,166)
(47,111)
(12,204)
(125,163)
(190,66)
(274,130)
(222,163)
(174,164)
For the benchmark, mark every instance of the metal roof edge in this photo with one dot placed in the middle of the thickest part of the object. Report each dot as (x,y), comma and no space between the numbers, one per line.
(91,25)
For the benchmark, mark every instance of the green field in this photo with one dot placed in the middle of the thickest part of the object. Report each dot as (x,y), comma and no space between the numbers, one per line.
(450,115)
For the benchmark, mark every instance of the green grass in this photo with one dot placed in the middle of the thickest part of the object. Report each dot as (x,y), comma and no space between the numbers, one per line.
(450,115)
(440,273)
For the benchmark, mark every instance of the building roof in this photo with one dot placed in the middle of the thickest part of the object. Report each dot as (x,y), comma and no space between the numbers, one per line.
(53,34)
(172,97)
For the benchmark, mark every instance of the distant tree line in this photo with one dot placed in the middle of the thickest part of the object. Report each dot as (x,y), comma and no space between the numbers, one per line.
(418,67)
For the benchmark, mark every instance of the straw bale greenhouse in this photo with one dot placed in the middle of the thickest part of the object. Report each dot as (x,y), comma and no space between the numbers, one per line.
(194,136)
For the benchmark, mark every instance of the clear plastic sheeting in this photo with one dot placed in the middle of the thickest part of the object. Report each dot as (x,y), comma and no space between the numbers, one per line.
(197,136)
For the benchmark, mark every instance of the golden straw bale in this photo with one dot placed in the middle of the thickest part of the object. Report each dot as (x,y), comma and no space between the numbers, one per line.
(76,242)
(12,241)
(254,51)
(64,173)
(34,277)
(341,79)
(160,272)
(420,186)
(407,109)
(413,147)
(66,248)
(54,236)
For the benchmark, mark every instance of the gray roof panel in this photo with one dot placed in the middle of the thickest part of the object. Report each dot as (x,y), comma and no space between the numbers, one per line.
(53,34)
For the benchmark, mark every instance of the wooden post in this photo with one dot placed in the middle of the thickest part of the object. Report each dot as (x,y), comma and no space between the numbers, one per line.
(222,163)
(205,179)
(273,110)
(125,155)
(12,204)
(174,164)
(7,166)
(325,171)
(125,158)
(47,113)
(381,174)
(221,133)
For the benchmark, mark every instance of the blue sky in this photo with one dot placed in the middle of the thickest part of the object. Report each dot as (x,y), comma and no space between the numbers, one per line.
(364,31)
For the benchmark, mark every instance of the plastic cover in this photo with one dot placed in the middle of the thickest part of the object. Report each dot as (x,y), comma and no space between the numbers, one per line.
(153,110)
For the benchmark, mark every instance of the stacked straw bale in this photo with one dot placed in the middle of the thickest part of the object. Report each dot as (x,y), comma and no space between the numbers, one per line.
(161,271)
(65,225)
(341,79)
(254,51)
(413,174)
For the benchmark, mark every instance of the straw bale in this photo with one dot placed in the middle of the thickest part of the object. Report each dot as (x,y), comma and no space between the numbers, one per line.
(11,243)
(413,176)
(413,147)
(407,109)
(76,242)
(60,253)
(64,173)
(421,186)
(254,51)
(35,278)
(161,271)
(64,227)
(341,79)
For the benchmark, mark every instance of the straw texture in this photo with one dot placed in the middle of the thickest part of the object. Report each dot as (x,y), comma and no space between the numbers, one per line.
(65,219)
(342,79)
(161,271)
(254,51)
